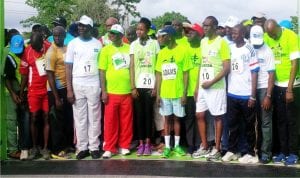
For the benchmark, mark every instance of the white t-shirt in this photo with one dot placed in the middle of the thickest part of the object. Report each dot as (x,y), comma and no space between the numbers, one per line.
(266,65)
(243,62)
(84,57)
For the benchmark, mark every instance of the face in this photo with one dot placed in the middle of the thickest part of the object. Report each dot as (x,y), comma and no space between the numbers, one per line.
(36,41)
(163,40)
(192,36)
(84,30)
(108,24)
(208,27)
(58,37)
(177,26)
(131,35)
(141,30)
(273,33)
(115,37)
(259,21)
(236,34)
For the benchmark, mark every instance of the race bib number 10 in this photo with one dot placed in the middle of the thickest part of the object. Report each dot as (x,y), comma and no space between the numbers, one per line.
(207,74)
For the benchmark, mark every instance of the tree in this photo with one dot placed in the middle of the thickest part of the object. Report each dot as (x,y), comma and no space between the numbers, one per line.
(168,16)
(48,10)
(294,20)
(126,8)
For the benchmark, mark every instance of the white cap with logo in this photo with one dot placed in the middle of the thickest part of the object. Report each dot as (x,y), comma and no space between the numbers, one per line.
(116,28)
(232,21)
(256,35)
(85,20)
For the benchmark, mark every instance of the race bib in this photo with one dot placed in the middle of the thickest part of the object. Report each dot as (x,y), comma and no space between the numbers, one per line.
(207,74)
(237,66)
(169,71)
(146,80)
(121,61)
(88,68)
(41,66)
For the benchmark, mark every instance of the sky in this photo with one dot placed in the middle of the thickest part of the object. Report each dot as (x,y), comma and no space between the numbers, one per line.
(195,10)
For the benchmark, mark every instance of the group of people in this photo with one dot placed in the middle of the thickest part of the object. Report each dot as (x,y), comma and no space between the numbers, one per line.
(211,91)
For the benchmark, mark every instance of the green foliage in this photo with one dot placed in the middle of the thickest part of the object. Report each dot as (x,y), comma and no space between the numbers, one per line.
(294,20)
(168,16)
(128,6)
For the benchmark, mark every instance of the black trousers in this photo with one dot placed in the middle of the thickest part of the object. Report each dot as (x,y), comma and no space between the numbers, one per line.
(143,113)
(61,122)
(286,118)
(192,136)
(239,112)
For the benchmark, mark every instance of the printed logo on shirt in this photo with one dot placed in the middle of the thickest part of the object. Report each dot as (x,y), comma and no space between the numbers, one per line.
(96,50)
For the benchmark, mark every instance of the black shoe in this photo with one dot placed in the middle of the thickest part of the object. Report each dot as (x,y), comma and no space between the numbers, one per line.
(95,154)
(83,154)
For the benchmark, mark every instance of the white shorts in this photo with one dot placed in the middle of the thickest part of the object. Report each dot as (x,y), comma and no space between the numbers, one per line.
(213,100)
(171,106)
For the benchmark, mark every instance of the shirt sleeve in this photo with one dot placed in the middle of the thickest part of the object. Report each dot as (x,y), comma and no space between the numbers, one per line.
(270,60)
(9,69)
(103,59)
(50,59)
(70,53)
(254,64)
(159,62)
(131,50)
(224,51)
(24,66)
(157,47)
(187,63)
(293,46)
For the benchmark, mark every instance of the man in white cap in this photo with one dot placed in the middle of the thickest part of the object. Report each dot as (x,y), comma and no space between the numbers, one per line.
(116,94)
(83,88)
(259,19)
(229,24)
(265,85)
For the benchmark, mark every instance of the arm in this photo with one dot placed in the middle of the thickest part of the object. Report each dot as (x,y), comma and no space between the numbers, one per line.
(51,80)
(197,86)
(134,91)
(104,96)
(251,101)
(266,105)
(24,81)
(70,93)
(220,75)
(158,84)
(289,92)
(185,86)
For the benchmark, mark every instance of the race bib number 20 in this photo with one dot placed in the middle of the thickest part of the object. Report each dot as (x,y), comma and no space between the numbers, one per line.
(146,80)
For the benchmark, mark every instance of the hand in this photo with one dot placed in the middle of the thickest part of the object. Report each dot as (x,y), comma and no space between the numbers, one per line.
(289,97)
(134,93)
(183,100)
(158,101)
(21,96)
(206,85)
(71,97)
(104,97)
(58,104)
(266,105)
(16,98)
(251,103)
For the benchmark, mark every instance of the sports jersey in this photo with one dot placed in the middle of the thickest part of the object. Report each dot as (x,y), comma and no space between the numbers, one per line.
(83,54)
(67,39)
(243,62)
(144,62)
(115,61)
(183,41)
(55,63)
(195,57)
(285,49)
(266,65)
(172,63)
(214,53)
(33,64)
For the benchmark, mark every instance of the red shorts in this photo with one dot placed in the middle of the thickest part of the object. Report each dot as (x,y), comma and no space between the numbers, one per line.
(38,102)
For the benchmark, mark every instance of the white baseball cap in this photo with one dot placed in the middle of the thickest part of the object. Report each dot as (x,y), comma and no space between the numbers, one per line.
(232,21)
(116,28)
(85,20)
(256,35)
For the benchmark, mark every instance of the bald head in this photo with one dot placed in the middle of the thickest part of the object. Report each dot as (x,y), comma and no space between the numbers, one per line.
(273,29)
(110,22)
(59,35)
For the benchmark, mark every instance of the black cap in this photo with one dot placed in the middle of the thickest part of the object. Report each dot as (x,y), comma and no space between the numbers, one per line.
(60,21)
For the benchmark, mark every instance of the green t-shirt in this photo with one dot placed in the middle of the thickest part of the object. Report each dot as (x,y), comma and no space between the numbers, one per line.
(115,61)
(285,50)
(144,62)
(195,57)
(172,63)
(183,41)
(214,53)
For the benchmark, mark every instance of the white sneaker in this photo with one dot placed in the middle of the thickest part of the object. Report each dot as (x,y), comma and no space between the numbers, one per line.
(229,156)
(214,155)
(124,151)
(248,159)
(24,155)
(106,155)
(200,153)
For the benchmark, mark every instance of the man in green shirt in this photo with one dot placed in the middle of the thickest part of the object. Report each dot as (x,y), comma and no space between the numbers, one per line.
(172,69)
(284,44)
